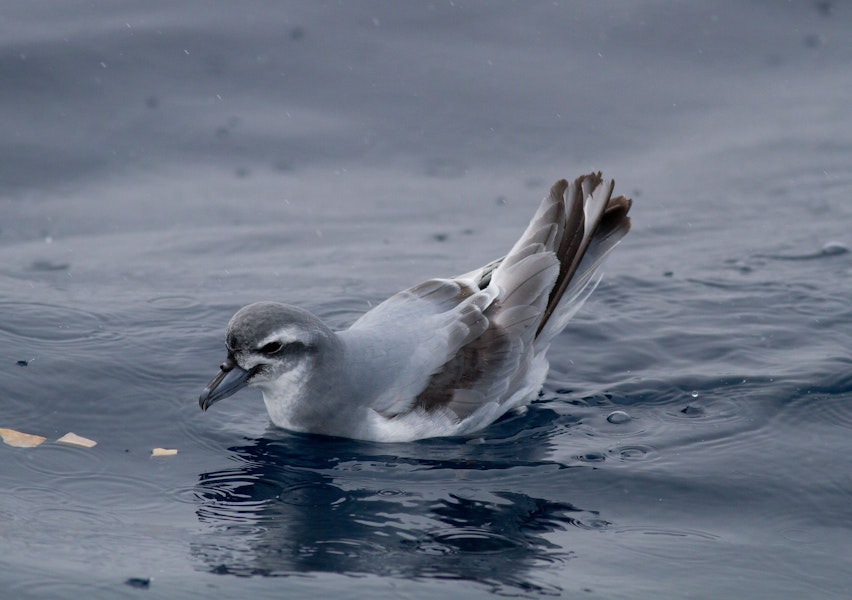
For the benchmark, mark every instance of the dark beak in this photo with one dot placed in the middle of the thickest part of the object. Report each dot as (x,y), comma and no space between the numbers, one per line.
(230,380)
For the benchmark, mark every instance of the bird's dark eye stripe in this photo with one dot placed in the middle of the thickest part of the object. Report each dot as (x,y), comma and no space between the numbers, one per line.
(272,347)
(279,347)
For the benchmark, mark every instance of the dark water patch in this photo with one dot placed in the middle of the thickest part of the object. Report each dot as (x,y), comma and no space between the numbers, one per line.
(692,410)
(469,540)
(139,583)
(835,378)
(333,455)
(48,266)
(312,494)
(358,524)
(533,427)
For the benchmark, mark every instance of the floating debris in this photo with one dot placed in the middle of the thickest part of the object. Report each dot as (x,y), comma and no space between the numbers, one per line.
(73,439)
(163,452)
(21,440)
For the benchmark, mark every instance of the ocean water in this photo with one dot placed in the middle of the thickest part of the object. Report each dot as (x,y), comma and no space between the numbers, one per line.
(163,164)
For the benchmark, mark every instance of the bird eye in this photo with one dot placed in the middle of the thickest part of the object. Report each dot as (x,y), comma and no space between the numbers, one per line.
(271,348)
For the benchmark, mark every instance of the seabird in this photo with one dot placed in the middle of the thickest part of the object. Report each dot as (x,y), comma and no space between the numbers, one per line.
(446,357)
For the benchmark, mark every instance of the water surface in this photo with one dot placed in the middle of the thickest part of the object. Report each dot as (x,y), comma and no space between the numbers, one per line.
(163,165)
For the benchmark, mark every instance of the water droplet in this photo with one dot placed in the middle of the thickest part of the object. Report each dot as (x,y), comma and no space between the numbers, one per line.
(592,457)
(834,248)
(618,417)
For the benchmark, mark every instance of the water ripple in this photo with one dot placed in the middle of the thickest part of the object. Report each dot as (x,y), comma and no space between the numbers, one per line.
(633,452)
(174,303)
(52,323)
(83,518)
(468,540)
(682,545)
(829,409)
(50,586)
(131,493)
(61,460)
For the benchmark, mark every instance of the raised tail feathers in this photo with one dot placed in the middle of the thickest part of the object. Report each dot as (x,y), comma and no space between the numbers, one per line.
(595,223)
(551,267)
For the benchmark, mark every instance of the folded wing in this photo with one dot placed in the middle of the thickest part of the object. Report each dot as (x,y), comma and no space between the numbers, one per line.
(491,325)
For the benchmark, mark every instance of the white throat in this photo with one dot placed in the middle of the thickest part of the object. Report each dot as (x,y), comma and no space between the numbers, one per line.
(286,400)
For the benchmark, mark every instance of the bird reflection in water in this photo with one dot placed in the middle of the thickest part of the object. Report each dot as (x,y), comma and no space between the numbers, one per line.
(306,504)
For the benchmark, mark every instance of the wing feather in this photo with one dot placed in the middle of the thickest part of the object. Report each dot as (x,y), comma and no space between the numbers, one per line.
(486,324)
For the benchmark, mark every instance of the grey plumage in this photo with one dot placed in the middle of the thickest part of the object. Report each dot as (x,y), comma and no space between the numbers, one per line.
(445,357)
